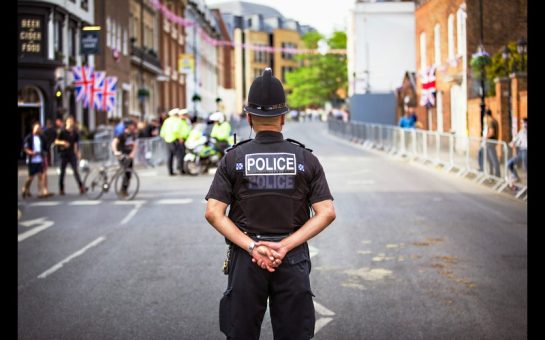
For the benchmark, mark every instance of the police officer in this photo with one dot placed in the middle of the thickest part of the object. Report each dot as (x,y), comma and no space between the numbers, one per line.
(271,184)
(221,131)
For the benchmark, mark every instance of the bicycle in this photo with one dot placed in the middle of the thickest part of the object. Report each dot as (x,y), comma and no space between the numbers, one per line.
(101,179)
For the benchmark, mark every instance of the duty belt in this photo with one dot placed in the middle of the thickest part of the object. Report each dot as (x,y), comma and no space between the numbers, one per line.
(267,237)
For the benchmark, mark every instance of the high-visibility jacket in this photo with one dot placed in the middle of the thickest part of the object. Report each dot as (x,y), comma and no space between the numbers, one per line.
(174,129)
(221,132)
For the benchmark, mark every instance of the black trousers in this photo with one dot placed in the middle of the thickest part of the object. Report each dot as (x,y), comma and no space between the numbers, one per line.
(73,161)
(176,149)
(127,163)
(288,290)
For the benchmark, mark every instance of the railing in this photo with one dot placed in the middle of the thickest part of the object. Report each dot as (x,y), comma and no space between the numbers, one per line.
(150,152)
(485,160)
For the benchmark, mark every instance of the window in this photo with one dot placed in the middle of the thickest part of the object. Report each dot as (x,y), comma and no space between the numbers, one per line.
(84,4)
(288,55)
(71,41)
(57,34)
(437,44)
(125,39)
(108,32)
(460,31)
(118,45)
(450,37)
(260,56)
(423,62)
(114,30)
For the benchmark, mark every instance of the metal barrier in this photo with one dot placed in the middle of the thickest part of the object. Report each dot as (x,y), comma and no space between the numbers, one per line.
(485,160)
(150,152)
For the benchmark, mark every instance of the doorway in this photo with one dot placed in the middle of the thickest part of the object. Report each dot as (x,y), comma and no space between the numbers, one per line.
(30,108)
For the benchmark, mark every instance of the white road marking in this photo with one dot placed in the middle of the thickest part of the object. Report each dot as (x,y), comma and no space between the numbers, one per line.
(322,310)
(43,224)
(85,202)
(147,174)
(321,322)
(135,202)
(313,251)
(175,201)
(66,260)
(45,204)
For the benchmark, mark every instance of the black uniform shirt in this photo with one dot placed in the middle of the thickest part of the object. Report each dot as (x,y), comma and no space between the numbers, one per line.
(126,142)
(71,137)
(270,184)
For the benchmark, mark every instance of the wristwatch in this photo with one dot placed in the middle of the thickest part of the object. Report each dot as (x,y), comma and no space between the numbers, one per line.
(251,247)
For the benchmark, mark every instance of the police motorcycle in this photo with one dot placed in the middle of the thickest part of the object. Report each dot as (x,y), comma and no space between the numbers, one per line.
(201,152)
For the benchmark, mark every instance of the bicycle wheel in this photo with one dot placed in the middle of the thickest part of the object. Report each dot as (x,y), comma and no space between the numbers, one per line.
(133,184)
(95,181)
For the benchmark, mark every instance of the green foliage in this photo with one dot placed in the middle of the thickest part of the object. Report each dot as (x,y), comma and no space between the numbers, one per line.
(497,67)
(321,76)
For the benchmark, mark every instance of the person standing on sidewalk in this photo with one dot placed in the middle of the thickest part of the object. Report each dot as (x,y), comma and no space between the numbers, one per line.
(521,143)
(49,134)
(68,144)
(490,136)
(125,145)
(268,203)
(34,149)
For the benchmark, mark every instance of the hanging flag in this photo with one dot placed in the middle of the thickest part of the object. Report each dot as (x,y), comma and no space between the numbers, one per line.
(106,95)
(91,99)
(427,97)
(83,81)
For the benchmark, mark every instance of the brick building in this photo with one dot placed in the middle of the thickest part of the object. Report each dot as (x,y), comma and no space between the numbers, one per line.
(448,33)
(171,45)
(114,57)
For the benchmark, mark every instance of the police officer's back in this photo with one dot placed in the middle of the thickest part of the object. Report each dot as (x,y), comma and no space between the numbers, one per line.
(271,184)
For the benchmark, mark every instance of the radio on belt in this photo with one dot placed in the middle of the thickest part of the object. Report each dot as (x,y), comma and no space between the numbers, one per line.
(279,163)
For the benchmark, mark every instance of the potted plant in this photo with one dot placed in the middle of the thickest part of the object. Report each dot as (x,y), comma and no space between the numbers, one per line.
(196,98)
(218,100)
(143,92)
(479,61)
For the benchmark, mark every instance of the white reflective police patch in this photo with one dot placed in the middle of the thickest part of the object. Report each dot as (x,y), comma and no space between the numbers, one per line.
(239,166)
(266,164)
(301,167)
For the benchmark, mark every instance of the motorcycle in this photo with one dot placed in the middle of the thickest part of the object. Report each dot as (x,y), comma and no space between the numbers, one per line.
(201,153)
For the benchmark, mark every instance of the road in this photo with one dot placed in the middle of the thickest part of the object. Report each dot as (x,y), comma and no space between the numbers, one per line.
(413,254)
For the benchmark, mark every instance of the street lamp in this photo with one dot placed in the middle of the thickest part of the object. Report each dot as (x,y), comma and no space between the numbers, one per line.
(481,52)
(505,55)
(521,49)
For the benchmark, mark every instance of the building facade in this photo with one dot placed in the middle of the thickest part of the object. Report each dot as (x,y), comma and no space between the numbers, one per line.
(48,45)
(146,69)
(202,85)
(260,26)
(380,45)
(448,33)
(115,57)
(172,45)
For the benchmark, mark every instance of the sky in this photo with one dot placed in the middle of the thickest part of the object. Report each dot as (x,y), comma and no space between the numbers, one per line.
(324,15)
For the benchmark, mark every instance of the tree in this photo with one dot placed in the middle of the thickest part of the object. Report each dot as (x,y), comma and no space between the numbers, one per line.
(320,76)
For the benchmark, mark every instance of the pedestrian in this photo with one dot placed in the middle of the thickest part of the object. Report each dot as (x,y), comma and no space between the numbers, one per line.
(124,147)
(270,183)
(520,142)
(490,137)
(406,122)
(221,131)
(414,117)
(50,134)
(152,129)
(174,131)
(33,145)
(120,127)
(68,143)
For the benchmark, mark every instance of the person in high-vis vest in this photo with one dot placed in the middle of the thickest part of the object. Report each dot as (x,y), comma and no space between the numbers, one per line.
(221,131)
(174,131)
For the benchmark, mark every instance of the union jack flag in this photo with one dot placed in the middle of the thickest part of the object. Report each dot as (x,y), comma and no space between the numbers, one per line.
(105,96)
(427,97)
(84,78)
(90,100)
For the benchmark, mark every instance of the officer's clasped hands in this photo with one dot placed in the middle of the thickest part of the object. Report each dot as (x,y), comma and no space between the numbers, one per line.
(268,255)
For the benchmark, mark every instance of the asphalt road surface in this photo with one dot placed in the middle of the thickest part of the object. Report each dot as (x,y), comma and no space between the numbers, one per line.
(413,254)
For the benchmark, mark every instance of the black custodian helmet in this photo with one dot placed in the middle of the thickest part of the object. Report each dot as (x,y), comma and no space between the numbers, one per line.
(266,97)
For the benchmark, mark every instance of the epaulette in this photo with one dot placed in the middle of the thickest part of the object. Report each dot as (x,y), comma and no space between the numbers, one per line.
(293,141)
(237,144)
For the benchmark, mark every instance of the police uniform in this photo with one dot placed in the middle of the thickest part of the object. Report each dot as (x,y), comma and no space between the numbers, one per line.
(270,184)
